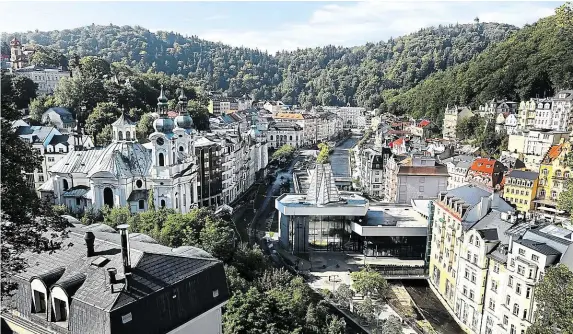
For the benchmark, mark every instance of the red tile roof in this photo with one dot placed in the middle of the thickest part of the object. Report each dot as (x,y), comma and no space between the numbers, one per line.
(483,165)
(397,142)
(424,123)
(552,154)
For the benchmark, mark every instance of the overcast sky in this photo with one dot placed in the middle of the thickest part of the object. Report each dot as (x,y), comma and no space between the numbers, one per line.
(271,25)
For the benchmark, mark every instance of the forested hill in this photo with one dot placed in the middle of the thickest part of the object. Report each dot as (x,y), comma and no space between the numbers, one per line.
(535,61)
(327,75)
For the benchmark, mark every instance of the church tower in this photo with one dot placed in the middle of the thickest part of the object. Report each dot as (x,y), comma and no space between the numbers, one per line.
(16,54)
(163,145)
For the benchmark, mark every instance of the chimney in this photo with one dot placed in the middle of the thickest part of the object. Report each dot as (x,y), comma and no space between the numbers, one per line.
(89,238)
(111,272)
(124,235)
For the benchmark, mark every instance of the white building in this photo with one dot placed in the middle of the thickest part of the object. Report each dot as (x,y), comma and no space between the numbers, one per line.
(46,78)
(561,111)
(59,117)
(284,133)
(372,170)
(511,123)
(458,167)
(352,117)
(182,169)
(543,114)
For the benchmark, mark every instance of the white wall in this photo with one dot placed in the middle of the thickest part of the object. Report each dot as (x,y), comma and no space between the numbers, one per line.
(209,322)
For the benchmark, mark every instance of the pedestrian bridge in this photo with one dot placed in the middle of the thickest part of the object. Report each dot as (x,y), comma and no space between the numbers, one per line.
(398,272)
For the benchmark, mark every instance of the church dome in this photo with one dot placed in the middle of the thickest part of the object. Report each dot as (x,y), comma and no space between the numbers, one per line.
(184,121)
(164,125)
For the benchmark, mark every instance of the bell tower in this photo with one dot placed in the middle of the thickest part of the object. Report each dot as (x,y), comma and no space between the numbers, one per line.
(16,54)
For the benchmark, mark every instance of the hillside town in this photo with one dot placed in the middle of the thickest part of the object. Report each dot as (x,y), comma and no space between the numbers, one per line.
(140,203)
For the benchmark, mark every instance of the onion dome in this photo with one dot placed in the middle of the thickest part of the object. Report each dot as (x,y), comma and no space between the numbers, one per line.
(183,121)
(164,125)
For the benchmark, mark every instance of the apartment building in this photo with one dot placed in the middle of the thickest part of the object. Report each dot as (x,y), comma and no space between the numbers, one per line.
(284,133)
(553,176)
(520,189)
(486,173)
(372,166)
(452,117)
(415,177)
(457,259)
(458,167)
(526,114)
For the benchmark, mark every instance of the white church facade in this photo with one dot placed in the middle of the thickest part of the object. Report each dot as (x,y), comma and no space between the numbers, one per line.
(175,173)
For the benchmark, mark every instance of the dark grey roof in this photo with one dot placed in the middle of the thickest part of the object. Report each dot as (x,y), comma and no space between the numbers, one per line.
(78,191)
(470,194)
(154,267)
(59,139)
(540,247)
(489,234)
(137,195)
(521,174)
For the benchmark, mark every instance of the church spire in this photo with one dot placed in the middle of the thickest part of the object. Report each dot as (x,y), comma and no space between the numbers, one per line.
(162,104)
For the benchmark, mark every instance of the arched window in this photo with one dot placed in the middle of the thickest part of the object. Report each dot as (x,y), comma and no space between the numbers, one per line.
(141,204)
(120,135)
(176,203)
(558,173)
(566,175)
(181,148)
(162,203)
(544,171)
(553,194)
(542,193)
(65,184)
(472,239)
(138,183)
(108,197)
(290,137)
(271,137)
(161,159)
(127,135)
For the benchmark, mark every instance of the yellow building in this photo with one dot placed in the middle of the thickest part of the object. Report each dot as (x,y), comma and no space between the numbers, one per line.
(553,174)
(458,250)
(520,189)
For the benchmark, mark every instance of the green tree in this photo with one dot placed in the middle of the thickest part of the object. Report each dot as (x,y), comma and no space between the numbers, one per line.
(103,115)
(200,114)
(235,281)
(366,310)
(392,325)
(249,312)
(469,127)
(218,238)
(565,201)
(324,154)
(39,105)
(250,262)
(48,57)
(336,325)
(92,216)
(105,136)
(369,283)
(116,215)
(283,152)
(19,90)
(23,227)
(554,298)
(94,68)
(144,127)
(344,295)
(151,201)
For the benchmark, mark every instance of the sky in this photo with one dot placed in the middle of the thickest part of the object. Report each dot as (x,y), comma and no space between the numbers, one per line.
(272,25)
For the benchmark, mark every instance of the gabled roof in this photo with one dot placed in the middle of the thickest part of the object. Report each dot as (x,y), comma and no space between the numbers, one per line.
(521,174)
(59,139)
(483,165)
(552,154)
(154,268)
(424,123)
(123,120)
(540,247)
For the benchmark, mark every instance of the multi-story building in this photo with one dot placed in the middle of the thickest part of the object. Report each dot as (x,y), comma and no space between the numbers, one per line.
(59,117)
(308,123)
(329,126)
(458,167)
(457,259)
(520,189)
(486,173)
(515,268)
(46,78)
(530,146)
(284,133)
(561,111)
(372,170)
(352,117)
(553,176)
(511,123)
(452,117)
(182,169)
(416,177)
(543,114)
(108,282)
(494,107)
(526,114)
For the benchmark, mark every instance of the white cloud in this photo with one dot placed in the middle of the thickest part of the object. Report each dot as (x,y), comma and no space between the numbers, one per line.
(351,24)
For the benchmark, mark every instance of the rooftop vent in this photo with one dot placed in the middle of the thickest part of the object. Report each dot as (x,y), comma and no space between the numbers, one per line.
(100,261)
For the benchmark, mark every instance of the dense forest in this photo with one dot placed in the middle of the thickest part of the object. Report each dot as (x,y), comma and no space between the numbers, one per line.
(328,75)
(417,73)
(535,61)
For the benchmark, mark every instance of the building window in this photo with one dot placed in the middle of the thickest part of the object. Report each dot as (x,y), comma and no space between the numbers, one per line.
(465,291)
(473,278)
(510,281)
(515,309)
(65,184)
(39,301)
(120,135)
(491,304)
(141,204)
(512,330)
(472,294)
(521,251)
(78,201)
(518,288)
(527,292)
(475,258)
(521,270)
(505,320)
(534,257)
(494,286)
(161,159)
(60,310)
(512,263)
(51,159)
(162,203)
(496,268)
(40,178)
(507,300)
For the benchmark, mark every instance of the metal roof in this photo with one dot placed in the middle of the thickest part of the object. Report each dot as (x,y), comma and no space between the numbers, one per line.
(540,247)
(521,174)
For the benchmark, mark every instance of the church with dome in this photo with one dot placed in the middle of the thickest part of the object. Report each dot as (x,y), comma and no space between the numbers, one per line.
(180,168)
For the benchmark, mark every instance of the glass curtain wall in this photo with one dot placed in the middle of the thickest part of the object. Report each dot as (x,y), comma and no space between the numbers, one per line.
(328,233)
